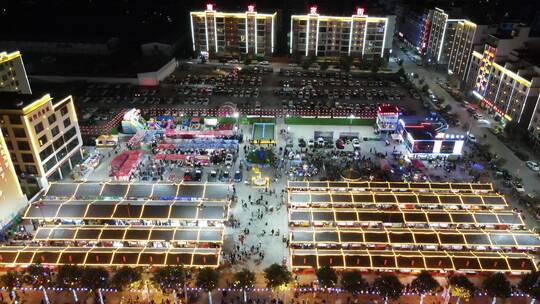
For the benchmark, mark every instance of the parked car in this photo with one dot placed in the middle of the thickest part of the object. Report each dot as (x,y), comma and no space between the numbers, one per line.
(471,137)
(311,142)
(356,143)
(238,176)
(532,165)
(320,142)
(340,144)
(301,142)
(228,160)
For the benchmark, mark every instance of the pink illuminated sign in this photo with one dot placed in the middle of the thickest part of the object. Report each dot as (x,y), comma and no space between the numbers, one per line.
(251,8)
(360,11)
(209,7)
(313,10)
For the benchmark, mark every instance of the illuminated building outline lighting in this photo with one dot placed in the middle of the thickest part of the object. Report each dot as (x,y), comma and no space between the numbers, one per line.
(215,33)
(511,94)
(206,32)
(247,36)
(307,36)
(255,30)
(317,38)
(523,107)
(442,38)
(291,37)
(192,30)
(351,35)
(272,36)
(384,37)
(365,37)
(534,111)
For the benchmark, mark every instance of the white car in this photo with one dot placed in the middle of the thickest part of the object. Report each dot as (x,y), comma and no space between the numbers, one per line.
(532,165)
(320,142)
(311,142)
(264,63)
(356,143)
(228,160)
(471,137)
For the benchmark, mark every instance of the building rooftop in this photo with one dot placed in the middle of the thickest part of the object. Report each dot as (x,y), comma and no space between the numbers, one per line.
(18,101)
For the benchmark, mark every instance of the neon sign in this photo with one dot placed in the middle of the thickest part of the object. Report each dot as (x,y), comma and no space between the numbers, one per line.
(313,10)
(210,7)
(251,8)
(360,11)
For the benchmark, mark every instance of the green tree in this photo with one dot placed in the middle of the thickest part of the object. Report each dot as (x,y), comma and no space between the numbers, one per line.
(207,279)
(460,287)
(244,279)
(497,286)
(327,277)
(401,71)
(37,275)
(10,280)
(529,285)
(353,282)
(125,276)
(95,278)
(424,283)
(169,277)
(425,88)
(247,60)
(69,276)
(277,275)
(388,286)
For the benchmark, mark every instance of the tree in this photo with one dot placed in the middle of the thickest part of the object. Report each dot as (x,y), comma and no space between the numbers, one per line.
(401,71)
(125,276)
(425,88)
(353,282)
(169,277)
(69,276)
(247,60)
(95,278)
(37,275)
(306,64)
(388,286)
(327,277)
(10,280)
(324,66)
(424,283)
(460,287)
(207,279)
(277,275)
(497,286)
(244,279)
(376,64)
(529,285)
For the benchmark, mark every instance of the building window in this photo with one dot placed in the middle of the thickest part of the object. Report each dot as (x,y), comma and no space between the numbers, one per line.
(67,122)
(52,119)
(15,120)
(23,145)
(19,132)
(43,140)
(31,169)
(27,157)
(46,153)
(69,134)
(63,111)
(55,131)
(39,127)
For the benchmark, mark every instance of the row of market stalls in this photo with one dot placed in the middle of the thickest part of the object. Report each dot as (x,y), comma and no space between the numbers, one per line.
(124,164)
(140,191)
(407,227)
(98,224)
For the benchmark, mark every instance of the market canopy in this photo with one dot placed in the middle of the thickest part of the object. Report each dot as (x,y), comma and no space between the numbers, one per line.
(109,256)
(414,260)
(352,216)
(134,190)
(129,234)
(385,186)
(315,198)
(414,237)
(126,210)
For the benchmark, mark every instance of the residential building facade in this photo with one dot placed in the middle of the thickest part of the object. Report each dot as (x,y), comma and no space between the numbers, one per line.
(507,86)
(332,36)
(247,32)
(12,200)
(12,73)
(42,136)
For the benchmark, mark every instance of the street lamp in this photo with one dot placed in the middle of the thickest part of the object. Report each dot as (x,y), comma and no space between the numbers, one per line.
(236,115)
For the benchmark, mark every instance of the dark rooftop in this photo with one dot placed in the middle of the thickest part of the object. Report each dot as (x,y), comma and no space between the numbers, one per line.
(17,101)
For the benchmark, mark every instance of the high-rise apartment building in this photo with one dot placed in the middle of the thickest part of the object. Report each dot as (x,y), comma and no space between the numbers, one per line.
(42,136)
(12,200)
(248,32)
(12,73)
(462,37)
(504,81)
(359,35)
(437,32)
